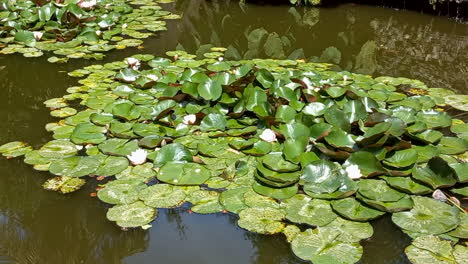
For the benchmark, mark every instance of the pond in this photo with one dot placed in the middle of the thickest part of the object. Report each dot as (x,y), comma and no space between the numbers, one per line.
(37,226)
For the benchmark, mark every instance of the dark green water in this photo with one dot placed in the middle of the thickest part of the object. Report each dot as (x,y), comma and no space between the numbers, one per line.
(37,226)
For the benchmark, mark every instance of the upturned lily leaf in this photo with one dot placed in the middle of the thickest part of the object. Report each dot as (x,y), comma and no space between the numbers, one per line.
(277,193)
(352,209)
(322,246)
(302,209)
(407,185)
(180,173)
(403,204)
(275,161)
(428,216)
(437,174)
(452,145)
(262,220)
(132,215)
(162,196)
(121,191)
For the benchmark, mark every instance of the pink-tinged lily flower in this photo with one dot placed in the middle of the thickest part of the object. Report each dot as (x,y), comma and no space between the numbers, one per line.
(268,135)
(133,63)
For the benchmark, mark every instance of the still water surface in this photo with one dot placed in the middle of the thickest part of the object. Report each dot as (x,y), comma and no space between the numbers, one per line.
(37,226)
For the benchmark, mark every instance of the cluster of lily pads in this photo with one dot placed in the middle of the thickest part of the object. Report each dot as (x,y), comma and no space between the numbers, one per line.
(77,28)
(287,145)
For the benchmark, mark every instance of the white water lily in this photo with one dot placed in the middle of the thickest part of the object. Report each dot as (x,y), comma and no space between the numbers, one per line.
(220,59)
(138,156)
(439,196)
(87,4)
(152,77)
(189,119)
(133,63)
(38,35)
(353,172)
(268,135)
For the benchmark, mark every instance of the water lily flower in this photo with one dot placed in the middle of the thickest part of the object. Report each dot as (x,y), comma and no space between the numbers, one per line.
(79,147)
(98,32)
(220,59)
(353,171)
(87,4)
(189,119)
(152,77)
(38,35)
(268,135)
(138,156)
(133,63)
(439,196)
(124,26)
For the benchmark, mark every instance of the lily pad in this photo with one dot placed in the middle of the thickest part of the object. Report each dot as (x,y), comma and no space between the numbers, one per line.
(428,216)
(262,220)
(132,215)
(302,209)
(162,196)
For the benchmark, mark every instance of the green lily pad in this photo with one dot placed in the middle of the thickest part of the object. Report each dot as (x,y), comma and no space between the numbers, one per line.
(378,190)
(302,209)
(428,216)
(172,152)
(352,209)
(63,184)
(180,173)
(118,147)
(429,250)
(121,191)
(132,215)
(351,231)
(322,246)
(368,164)
(262,220)
(233,200)
(402,158)
(162,196)
(276,193)
(437,174)
(74,166)
(275,161)
(407,185)
(56,149)
(111,166)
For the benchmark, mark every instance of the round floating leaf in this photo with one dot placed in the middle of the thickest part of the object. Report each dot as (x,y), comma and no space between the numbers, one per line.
(434,119)
(302,209)
(111,166)
(118,147)
(428,216)
(339,139)
(213,122)
(132,215)
(172,152)
(63,184)
(121,191)
(321,176)
(262,220)
(233,200)
(378,190)
(74,166)
(430,250)
(57,149)
(87,133)
(322,246)
(205,202)
(314,109)
(162,196)
(368,164)
(352,209)
(287,178)
(458,101)
(179,173)
(462,230)
(351,231)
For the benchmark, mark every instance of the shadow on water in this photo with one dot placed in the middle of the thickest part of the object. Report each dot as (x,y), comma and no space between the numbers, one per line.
(44,227)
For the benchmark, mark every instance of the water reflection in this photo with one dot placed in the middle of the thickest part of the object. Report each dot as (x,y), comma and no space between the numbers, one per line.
(43,227)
